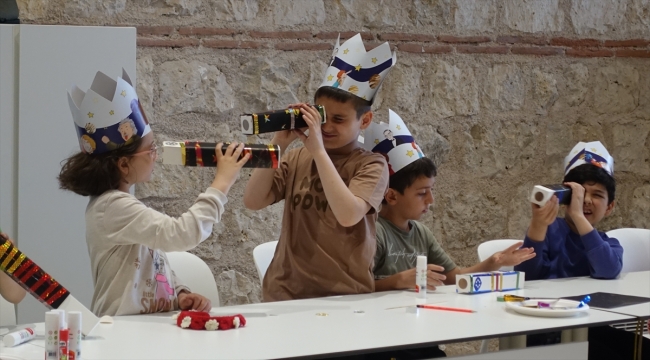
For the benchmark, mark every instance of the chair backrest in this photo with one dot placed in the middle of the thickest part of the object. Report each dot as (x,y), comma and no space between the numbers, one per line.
(195,274)
(486,249)
(262,255)
(636,248)
(7,313)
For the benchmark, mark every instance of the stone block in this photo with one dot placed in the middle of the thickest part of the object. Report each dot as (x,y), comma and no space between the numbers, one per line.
(545,91)
(598,16)
(185,7)
(193,87)
(297,12)
(483,219)
(640,207)
(475,15)
(616,89)
(576,77)
(448,90)
(504,88)
(630,148)
(534,15)
(145,84)
(235,10)
(91,8)
(374,14)
(235,288)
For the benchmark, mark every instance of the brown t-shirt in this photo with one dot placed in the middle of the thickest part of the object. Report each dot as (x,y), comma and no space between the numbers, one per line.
(316,256)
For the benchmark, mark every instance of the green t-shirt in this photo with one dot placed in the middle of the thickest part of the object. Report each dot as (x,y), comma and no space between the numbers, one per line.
(397,250)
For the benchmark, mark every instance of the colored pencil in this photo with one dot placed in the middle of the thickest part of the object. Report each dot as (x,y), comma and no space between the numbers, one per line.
(435,307)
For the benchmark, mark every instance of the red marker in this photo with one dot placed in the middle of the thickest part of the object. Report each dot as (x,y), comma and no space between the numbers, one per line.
(435,307)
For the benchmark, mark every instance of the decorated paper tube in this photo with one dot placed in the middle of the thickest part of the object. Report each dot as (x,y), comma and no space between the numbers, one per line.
(191,153)
(40,284)
(276,120)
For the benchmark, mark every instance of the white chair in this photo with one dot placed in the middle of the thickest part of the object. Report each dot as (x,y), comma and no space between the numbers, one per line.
(636,248)
(636,257)
(7,313)
(262,255)
(195,274)
(485,250)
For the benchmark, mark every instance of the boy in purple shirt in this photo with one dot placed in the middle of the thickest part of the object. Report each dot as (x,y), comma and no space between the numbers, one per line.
(571,246)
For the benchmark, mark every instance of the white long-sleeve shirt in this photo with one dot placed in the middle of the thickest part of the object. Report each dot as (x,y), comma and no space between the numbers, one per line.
(127,242)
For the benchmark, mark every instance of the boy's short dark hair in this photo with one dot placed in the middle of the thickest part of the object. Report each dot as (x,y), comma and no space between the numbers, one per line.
(589,174)
(407,175)
(360,105)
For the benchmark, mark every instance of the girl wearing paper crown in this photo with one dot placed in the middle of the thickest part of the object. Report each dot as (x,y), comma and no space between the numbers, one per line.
(126,239)
(571,246)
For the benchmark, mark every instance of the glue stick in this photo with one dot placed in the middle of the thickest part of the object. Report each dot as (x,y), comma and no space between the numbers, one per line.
(421,277)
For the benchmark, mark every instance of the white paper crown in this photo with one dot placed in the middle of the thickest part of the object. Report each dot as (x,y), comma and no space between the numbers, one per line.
(108,115)
(394,141)
(356,71)
(589,153)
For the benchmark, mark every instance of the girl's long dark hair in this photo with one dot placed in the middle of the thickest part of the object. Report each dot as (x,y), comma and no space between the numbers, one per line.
(92,175)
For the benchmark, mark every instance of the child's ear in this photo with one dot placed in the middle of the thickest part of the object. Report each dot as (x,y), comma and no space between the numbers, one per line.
(366,120)
(123,166)
(610,208)
(391,196)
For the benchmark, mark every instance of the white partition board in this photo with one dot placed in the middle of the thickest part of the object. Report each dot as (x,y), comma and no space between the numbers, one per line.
(51,227)
(8,128)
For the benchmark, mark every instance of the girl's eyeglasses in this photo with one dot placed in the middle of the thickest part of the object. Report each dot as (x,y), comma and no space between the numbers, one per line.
(153,152)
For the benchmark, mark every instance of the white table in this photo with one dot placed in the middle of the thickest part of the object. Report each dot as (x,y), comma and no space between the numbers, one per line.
(634,284)
(292,328)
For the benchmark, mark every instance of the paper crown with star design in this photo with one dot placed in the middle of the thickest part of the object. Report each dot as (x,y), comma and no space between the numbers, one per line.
(108,115)
(589,153)
(356,71)
(394,141)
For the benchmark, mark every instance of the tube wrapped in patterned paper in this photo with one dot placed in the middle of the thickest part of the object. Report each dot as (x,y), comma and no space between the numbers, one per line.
(192,153)
(40,284)
(490,281)
(276,120)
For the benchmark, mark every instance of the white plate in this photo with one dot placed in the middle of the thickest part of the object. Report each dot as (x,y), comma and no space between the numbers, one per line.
(573,310)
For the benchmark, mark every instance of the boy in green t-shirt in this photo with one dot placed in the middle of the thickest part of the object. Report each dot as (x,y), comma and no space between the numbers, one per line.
(400,237)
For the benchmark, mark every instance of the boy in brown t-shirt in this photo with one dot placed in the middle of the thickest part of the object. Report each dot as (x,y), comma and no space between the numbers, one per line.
(332,187)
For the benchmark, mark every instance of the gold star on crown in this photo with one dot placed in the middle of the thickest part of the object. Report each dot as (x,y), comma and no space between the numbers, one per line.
(398,127)
(358,67)
(374,60)
(112,112)
(409,153)
(376,141)
(330,77)
(90,114)
(123,93)
(346,51)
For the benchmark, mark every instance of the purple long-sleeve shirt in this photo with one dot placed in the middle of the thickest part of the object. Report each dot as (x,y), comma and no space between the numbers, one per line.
(564,253)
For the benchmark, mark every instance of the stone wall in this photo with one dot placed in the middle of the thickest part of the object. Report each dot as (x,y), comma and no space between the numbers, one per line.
(496,92)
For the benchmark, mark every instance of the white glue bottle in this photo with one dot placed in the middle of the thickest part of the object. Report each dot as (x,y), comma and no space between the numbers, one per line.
(74,324)
(421,277)
(52,327)
(18,337)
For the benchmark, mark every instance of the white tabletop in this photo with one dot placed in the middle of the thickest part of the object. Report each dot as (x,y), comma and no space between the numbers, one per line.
(635,284)
(292,328)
